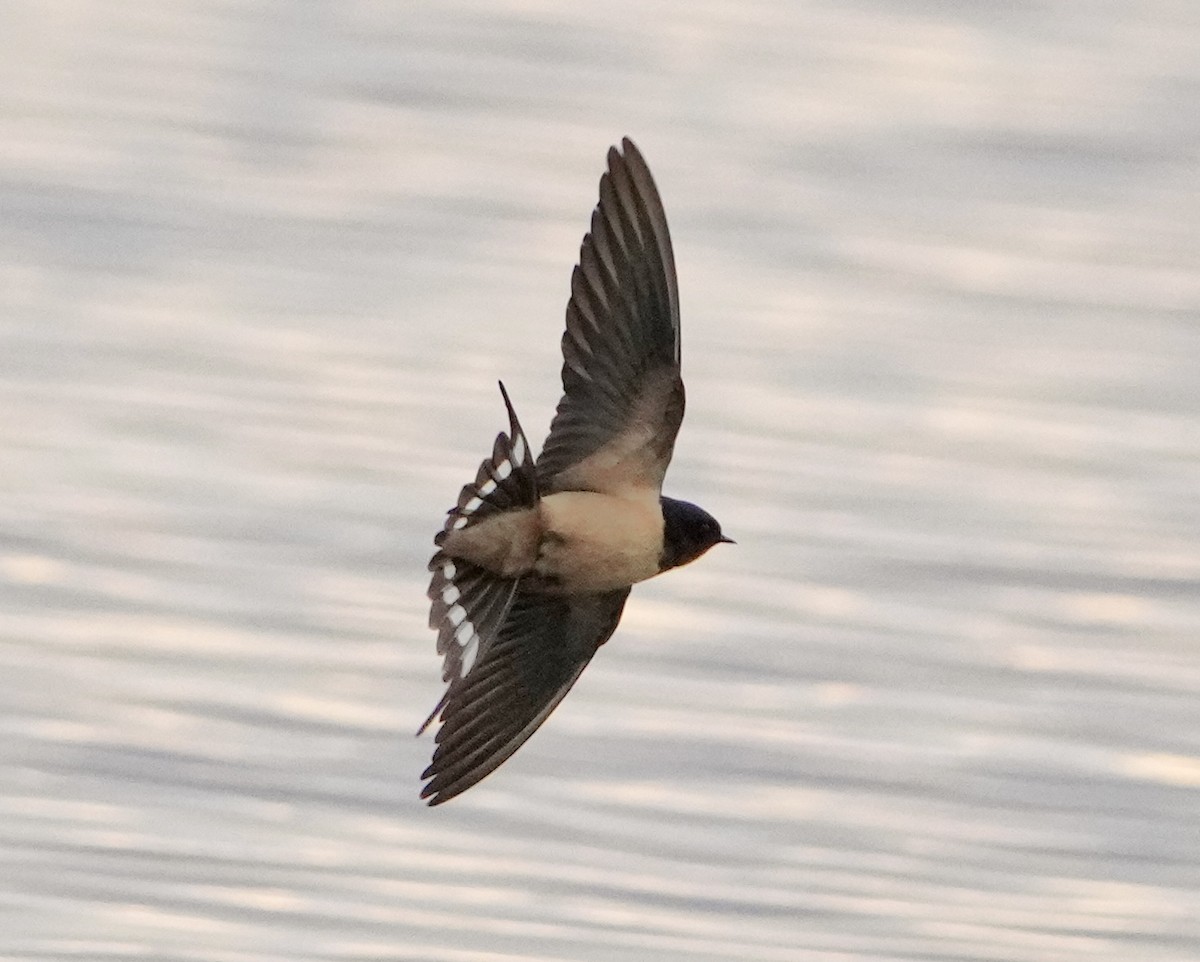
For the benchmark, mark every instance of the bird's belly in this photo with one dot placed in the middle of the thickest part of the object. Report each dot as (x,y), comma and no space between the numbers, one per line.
(597,542)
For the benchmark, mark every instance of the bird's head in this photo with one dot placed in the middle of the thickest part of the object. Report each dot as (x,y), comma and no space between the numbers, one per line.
(688,532)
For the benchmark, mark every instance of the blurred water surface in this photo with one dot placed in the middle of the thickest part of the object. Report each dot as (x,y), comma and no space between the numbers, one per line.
(261,265)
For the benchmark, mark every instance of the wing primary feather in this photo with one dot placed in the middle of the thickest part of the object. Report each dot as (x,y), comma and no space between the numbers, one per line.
(651,202)
(622,330)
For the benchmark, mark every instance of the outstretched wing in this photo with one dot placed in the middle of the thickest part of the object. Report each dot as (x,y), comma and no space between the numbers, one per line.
(468,603)
(622,392)
(544,645)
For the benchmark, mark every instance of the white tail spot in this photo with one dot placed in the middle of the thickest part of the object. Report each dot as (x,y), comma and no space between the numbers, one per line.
(459,524)
(472,505)
(449,571)
(457,615)
(450,594)
(487,487)
(465,632)
(503,469)
(519,448)
(470,653)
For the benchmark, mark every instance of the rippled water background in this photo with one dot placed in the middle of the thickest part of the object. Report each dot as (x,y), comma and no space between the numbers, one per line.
(261,265)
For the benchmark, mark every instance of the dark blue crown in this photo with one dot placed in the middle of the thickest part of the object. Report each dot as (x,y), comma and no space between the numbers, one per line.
(688,532)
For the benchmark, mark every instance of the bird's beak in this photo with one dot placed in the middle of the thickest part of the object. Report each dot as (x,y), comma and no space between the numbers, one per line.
(726,540)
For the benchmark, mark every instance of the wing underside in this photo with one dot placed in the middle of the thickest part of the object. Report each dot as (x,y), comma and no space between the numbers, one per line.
(544,645)
(622,393)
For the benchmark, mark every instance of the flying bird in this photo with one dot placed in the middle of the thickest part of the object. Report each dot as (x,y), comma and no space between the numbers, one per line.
(536,559)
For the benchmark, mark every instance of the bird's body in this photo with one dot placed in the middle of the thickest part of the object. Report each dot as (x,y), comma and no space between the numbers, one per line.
(572,542)
(536,560)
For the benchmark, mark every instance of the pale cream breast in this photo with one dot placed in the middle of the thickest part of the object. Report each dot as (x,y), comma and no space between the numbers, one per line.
(597,542)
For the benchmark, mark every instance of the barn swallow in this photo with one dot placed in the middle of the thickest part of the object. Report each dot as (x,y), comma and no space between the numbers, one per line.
(536,559)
